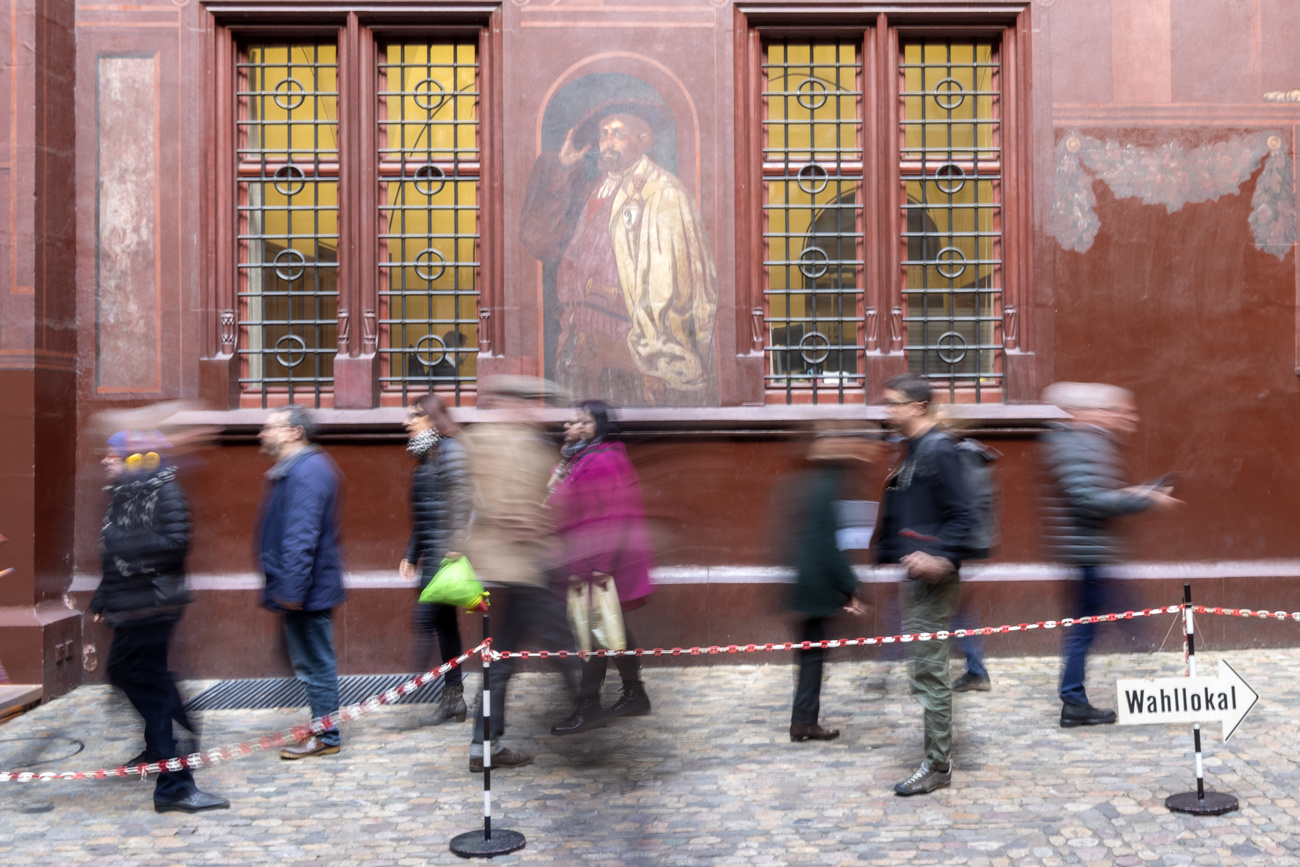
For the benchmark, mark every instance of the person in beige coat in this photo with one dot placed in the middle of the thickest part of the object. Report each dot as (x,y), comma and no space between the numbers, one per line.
(511,544)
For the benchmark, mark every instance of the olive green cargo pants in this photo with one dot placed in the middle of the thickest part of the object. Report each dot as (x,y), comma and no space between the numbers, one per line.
(929,608)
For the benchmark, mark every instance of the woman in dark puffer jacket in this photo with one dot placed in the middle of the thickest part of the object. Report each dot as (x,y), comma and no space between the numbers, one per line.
(440,507)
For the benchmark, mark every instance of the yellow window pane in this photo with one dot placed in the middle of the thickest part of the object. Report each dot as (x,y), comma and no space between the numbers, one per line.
(430,100)
(290,102)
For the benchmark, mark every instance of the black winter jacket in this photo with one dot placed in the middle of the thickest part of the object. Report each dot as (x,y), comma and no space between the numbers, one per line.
(440,506)
(1086,473)
(146,536)
(927,507)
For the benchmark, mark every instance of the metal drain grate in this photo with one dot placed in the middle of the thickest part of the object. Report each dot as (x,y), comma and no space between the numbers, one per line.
(271,692)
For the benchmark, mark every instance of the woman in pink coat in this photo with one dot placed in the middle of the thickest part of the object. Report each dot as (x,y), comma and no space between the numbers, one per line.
(600,520)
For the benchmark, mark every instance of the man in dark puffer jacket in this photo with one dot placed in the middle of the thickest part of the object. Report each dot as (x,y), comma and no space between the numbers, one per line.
(145,538)
(1088,492)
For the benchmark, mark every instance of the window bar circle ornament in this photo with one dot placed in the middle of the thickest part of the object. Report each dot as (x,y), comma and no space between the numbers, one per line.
(424,92)
(814,263)
(811,93)
(290,351)
(814,348)
(289,94)
(812,178)
(289,264)
(429,180)
(949,94)
(425,352)
(950,262)
(950,347)
(430,264)
(289,180)
(949,178)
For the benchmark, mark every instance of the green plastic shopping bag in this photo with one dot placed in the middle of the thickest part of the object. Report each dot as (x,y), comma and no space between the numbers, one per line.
(454,584)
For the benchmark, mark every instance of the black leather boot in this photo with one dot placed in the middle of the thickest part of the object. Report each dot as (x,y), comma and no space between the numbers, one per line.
(586,715)
(633,701)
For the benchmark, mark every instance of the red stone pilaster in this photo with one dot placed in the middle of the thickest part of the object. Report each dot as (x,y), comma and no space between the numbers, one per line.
(40,635)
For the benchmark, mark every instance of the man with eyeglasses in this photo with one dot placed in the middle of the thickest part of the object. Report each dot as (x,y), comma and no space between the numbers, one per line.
(298,546)
(926,521)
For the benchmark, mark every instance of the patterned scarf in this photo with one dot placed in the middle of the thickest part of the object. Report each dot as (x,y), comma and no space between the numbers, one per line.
(420,444)
(569,454)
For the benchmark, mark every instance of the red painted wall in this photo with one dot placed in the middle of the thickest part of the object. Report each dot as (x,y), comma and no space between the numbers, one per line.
(1174,300)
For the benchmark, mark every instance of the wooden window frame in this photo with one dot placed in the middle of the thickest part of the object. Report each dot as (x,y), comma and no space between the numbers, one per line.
(359,32)
(881,28)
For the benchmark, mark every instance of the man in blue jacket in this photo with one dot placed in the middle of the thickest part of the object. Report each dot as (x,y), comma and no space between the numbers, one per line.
(298,547)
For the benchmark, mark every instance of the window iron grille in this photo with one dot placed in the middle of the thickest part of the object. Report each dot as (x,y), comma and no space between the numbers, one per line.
(428,119)
(812,115)
(287,181)
(951,173)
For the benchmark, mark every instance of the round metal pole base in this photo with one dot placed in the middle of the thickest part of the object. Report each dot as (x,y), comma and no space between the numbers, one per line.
(473,844)
(1213,804)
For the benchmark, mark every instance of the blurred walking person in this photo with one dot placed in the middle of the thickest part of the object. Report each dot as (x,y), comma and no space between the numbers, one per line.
(1088,491)
(926,523)
(440,508)
(298,546)
(146,536)
(825,584)
(600,520)
(976,676)
(511,544)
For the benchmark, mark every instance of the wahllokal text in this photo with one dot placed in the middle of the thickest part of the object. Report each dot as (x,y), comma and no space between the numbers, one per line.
(1179,700)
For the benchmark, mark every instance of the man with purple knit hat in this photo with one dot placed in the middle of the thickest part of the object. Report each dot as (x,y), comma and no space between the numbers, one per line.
(146,536)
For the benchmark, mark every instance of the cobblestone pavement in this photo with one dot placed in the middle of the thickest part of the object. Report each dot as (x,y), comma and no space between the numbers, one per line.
(710,778)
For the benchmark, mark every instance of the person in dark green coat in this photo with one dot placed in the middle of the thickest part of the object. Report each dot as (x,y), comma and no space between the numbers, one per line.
(825,584)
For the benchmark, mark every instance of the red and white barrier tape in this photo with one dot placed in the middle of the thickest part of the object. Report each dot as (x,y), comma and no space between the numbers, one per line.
(269,742)
(840,642)
(1246,612)
(351,712)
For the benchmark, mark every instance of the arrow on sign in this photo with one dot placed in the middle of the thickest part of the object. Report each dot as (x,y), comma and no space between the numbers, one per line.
(1226,698)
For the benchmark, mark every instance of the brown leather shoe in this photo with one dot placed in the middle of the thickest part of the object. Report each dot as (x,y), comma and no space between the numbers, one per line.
(313,746)
(502,758)
(813,732)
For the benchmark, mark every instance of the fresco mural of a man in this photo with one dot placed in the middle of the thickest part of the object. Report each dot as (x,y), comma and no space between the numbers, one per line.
(635,280)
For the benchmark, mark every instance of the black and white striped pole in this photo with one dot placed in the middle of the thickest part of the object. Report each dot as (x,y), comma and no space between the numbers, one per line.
(1200,802)
(487,843)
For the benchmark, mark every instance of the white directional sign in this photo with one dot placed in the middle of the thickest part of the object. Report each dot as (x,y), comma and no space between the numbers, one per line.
(1225,698)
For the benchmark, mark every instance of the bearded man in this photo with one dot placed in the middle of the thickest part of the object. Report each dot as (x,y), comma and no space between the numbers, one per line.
(635,278)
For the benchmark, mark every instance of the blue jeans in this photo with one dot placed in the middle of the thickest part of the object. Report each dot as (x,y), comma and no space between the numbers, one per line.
(310,636)
(971,646)
(1091,593)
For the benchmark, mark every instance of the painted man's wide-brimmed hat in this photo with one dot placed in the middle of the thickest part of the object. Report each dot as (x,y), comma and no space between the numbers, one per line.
(587,130)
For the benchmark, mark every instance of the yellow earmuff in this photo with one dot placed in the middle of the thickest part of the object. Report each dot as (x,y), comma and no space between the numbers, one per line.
(149,461)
